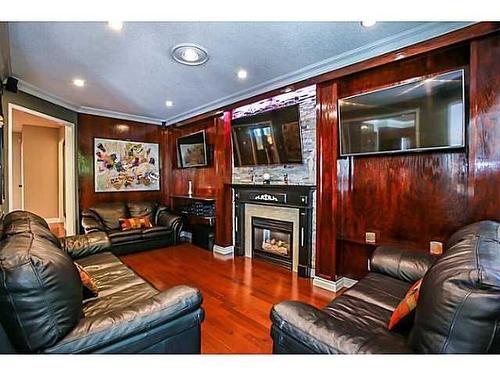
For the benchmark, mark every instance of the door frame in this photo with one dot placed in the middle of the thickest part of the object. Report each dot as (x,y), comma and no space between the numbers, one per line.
(70,186)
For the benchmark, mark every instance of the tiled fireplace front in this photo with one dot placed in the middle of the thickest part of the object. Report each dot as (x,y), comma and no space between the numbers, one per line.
(274,223)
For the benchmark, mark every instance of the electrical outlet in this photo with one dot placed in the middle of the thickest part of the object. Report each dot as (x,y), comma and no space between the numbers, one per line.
(371,237)
(436,247)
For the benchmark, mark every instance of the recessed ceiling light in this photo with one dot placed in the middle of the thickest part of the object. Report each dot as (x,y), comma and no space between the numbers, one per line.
(79,82)
(115,25)
(242,74)
(169,103)
(189,54)
(368,23)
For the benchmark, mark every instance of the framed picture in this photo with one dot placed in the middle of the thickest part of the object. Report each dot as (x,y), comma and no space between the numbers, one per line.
(121,166)
(192,150)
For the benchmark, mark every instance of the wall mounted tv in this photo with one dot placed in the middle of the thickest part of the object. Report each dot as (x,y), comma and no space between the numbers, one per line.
(192,150)
(268,138)
(424,114)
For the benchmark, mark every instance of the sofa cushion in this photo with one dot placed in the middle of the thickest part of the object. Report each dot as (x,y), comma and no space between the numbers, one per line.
(143,209)
(118,285)
(406,306)
(24,221)
(459,303)
(380,290)
(120,236)
(156,232)
(487,228)
(40,289)
(110,214)
(337,329)
(135,223)
(109,273)
(90,289)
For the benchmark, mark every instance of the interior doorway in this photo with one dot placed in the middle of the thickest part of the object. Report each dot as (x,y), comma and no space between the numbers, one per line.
(41,167)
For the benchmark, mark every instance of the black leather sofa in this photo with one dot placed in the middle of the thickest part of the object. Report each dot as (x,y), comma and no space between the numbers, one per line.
(105,218)
(41,307)
(458,310)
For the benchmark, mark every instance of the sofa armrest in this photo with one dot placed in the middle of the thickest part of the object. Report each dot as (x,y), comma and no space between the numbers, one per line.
(168,219)
(91,223)
(401,264)
(101,333)
(83,245)
(314,331)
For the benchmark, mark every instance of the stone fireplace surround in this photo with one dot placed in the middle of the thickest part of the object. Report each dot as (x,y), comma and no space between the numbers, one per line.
(292,203)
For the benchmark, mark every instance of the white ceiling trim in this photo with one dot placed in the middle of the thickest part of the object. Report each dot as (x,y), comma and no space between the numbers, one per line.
(119,115)
(42,94)
(382,46)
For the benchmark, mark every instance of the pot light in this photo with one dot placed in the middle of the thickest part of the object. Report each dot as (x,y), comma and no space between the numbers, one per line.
(368,23)
(189,54)
(242,74)
(115,25)
(79,82)
(169,103)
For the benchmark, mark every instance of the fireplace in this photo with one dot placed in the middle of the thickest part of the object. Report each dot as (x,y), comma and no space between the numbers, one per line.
(272,240)
(275,223)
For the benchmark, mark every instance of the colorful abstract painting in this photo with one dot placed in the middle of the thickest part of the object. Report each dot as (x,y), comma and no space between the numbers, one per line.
(126,166)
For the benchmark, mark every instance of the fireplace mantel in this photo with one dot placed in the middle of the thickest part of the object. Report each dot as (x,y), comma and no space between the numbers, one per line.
(297,197)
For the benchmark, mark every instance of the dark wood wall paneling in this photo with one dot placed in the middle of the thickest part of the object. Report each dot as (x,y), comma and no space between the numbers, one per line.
(90,127)
(210,181)
(409,199)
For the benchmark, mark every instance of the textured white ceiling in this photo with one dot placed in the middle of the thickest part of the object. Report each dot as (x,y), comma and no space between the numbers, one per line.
(132,72)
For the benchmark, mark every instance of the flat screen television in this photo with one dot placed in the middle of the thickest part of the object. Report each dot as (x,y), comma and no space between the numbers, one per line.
(268,138)
(192,150)
(423,114)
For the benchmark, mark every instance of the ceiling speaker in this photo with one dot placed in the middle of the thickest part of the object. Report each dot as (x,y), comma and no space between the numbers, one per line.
(11,84)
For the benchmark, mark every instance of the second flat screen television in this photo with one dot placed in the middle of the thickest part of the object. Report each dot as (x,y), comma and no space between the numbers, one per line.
(268,138)
(423,114)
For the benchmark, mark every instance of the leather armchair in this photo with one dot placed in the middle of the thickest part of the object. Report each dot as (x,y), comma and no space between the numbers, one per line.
(105,217)
(457,312)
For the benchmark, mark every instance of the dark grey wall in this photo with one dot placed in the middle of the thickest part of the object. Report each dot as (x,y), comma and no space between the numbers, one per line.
(4,51)
(40,105)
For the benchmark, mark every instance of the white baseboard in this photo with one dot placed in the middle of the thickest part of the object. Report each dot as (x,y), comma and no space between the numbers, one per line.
(333,286)
(227,250)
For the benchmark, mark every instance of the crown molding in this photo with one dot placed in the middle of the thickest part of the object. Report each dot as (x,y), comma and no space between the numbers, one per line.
(45,95)
(119,115)
(42,94)
(380,47)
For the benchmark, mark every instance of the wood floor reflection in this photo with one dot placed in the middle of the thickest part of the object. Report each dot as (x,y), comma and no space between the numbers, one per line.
(238,293)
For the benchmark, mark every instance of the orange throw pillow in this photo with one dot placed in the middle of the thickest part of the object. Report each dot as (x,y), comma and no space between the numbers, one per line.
(90,289)
(406,306)
(135,223)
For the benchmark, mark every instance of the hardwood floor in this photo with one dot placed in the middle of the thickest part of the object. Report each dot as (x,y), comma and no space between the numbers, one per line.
(237,293)
(57,229)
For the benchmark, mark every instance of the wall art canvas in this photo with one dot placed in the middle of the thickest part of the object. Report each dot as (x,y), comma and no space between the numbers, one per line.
(121,166)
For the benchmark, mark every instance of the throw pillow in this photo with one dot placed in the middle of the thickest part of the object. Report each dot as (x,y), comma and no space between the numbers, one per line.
(406,306)
(135,223)
(90,289)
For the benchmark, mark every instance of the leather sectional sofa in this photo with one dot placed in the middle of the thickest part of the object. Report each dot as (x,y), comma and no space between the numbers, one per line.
(105,218)
(458,310)
(41,306)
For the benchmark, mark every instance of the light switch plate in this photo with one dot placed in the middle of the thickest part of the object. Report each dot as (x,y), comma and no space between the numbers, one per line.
(371,237)
(436,247)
